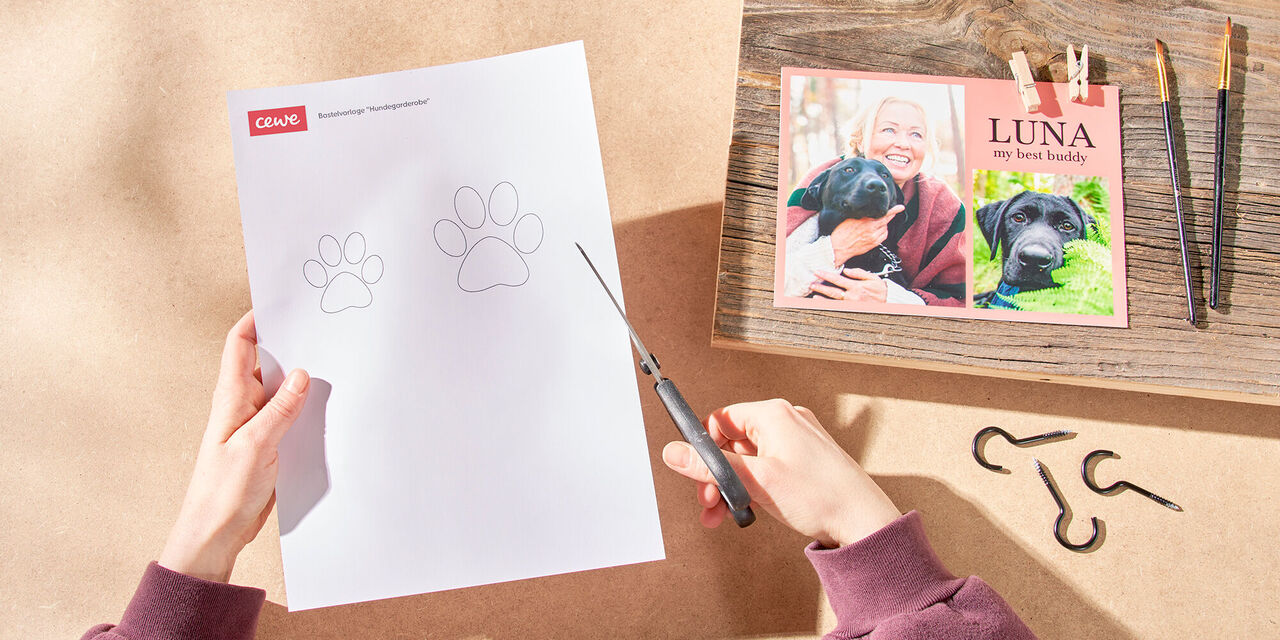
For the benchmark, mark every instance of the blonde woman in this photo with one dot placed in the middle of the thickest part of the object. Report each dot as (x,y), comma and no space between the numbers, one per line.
(926,233)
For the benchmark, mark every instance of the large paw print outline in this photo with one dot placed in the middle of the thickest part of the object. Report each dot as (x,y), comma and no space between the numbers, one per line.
(490,261)
(348,287)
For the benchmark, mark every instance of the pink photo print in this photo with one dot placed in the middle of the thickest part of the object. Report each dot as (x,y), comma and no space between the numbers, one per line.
(942,196)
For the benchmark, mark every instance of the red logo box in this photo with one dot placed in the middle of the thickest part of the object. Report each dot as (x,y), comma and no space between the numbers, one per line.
(283,120)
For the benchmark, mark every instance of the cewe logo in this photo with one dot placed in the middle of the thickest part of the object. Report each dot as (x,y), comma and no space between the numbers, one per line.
(283,120)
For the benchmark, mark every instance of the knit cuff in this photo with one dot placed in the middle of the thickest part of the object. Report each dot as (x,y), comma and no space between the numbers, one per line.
(892,572)
(896,294)
(803,259)
(169,604)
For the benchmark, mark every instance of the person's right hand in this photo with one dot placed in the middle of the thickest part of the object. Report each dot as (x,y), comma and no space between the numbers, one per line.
(855,237)
(792,468)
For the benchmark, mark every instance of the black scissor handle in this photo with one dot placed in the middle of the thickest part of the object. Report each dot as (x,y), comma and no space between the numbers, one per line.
(731,488)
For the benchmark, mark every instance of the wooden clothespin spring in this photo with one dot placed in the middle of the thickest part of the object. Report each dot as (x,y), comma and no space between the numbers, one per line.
(1078,74)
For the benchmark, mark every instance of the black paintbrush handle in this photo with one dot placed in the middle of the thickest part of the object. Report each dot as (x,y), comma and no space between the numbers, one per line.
(731,488)
(1177,207)
(1219,176)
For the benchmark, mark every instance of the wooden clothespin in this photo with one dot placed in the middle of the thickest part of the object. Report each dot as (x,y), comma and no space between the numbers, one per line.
(1078,74)
(1025,81)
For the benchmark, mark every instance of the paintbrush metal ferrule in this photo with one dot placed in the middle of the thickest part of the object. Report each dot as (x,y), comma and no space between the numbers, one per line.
(1164,76)
(1224,68)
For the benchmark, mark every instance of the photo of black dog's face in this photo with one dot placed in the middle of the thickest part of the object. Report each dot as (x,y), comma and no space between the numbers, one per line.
(1030,230)
(852,188)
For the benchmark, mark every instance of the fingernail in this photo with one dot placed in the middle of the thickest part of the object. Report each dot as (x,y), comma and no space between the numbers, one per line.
(676,456)
(296,382)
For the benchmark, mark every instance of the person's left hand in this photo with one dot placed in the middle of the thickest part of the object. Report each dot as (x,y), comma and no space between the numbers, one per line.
(233,487)
(857,236)
(857,285)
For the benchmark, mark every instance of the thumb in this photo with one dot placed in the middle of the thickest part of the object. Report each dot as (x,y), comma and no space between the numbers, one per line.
(271,423)
(682,458)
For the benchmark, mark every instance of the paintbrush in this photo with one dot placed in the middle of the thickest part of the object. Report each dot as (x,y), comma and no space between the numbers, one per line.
(1173,175)
(1220,166)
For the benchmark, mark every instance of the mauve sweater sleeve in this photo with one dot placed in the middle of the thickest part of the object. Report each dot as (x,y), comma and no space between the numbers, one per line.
(892,585)
(170,606)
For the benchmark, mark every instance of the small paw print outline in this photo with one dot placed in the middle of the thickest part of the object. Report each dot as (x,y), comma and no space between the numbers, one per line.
(490,261)
(346,289)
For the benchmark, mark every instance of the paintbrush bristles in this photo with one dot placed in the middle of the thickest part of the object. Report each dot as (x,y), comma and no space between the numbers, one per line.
(1164,78)
(1224,70)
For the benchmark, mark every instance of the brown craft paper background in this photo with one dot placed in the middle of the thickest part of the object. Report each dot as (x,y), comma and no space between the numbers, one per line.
(122,267)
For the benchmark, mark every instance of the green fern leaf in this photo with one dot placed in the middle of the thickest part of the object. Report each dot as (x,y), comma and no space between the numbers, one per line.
(1084,283)
(1092,193)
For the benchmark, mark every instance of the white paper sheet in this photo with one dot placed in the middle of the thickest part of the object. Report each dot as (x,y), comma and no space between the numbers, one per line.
(474,416)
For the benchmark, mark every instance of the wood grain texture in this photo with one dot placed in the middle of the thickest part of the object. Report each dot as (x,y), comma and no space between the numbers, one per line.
(1232,354)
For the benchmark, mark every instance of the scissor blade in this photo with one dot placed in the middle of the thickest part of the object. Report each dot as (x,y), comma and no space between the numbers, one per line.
(645,356)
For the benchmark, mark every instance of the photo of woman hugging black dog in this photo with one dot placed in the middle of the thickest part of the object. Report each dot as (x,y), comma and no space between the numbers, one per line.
(872,225)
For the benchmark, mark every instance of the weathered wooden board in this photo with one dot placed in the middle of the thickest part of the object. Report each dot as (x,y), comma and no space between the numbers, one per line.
(1233,354)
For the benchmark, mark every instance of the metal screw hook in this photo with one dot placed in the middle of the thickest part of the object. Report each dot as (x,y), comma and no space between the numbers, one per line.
(1117,486)
(1062,515)
(977,439)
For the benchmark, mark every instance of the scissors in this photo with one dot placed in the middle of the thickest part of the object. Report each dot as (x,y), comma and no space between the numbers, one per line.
(731,488)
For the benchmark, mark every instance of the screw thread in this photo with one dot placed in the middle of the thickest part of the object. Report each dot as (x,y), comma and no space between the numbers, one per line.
(1165,502)
(1040,470)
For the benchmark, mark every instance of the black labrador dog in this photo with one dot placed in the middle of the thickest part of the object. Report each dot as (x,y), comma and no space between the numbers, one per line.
(1030,230)
(856,188)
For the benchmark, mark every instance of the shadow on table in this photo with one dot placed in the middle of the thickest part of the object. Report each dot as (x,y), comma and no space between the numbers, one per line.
(1048,605)
(756,582)
(736,584)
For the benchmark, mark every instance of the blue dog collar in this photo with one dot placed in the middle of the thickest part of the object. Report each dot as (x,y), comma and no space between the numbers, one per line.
(1004,297)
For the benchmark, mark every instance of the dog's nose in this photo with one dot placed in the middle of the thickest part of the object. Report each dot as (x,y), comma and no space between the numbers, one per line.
(875,186)
(1035,256)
